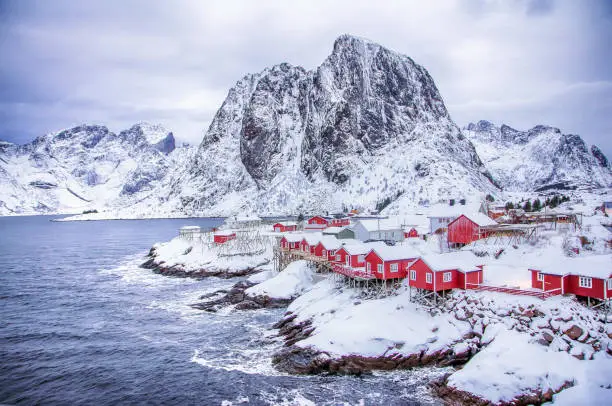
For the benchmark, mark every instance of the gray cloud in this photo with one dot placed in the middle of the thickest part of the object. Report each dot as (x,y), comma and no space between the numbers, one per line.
(520,62)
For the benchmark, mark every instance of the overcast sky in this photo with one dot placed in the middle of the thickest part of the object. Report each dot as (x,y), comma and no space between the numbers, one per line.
(519,62)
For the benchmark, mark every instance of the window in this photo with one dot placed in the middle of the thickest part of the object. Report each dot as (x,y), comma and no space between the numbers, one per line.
(428,277)
(413,275)
(540,277)
(447,276)
(348,259)
(380,268)
(368,267)
(338,257)
(324,252)
(361,258)
(609,284)
(394,268)
(585,282)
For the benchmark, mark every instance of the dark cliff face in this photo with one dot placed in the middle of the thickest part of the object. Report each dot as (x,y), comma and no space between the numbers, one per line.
(599,156)
(361,98)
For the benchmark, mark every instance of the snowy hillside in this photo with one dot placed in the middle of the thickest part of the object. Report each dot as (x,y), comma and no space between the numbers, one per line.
(539,158)
(85,167)
(367,125)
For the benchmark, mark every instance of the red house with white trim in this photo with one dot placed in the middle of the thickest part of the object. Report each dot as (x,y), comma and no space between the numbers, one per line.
(317,223)
(385,262)
(309,241)
(291,242)
(438,272)
(588,276)
(221,237)
(326,248)
(284,227)
(468,228)
(354,254)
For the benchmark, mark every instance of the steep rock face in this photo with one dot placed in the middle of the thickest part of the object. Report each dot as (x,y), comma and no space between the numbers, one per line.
(87,166)
(541,157)
(367,125)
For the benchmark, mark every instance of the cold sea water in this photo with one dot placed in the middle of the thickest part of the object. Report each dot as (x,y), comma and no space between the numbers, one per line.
(81,323)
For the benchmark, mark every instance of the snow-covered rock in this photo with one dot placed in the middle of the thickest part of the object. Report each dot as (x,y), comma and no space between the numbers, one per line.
(539,158)
(291,282)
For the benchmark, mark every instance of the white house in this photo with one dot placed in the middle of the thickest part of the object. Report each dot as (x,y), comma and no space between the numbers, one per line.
(378,229)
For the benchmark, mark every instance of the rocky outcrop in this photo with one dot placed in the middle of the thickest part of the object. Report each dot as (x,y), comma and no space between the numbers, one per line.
(237,298)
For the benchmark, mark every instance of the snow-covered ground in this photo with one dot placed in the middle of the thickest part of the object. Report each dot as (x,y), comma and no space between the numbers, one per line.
(298,277)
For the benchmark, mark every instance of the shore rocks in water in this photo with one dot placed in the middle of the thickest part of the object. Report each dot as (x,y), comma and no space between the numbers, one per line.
(236,296)
(453,396)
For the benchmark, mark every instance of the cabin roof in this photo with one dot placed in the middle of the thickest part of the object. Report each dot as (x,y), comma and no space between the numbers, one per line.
(393,253)
(380,224)
(595,266)
(463,261)
(480,219)
(297,237)
(312,238)
(333,230)
(225,232)
(286,223)
(330,242)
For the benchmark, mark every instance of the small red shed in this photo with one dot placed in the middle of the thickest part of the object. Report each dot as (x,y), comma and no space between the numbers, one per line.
(454,270)
(340,222)
(467,228)
(389,262)
(284,227)
(221,237)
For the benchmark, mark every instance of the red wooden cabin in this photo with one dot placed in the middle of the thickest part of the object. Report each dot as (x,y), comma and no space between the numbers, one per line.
(317,223)
(284,227)
(326,248)
(438,272)
(411,233)
(588,276)
(221,237)
(466,229)
(386,262)
(291,242)
(309,241)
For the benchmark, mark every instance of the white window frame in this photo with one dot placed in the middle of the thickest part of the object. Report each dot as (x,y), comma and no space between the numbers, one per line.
(348,259)
(380,268)
(540,277)
(368,267)
(360,258)
(585,282)
(447,276)
(429,277)
(394,268)
(412,275)
(324,252)
(609,284)
(338,257)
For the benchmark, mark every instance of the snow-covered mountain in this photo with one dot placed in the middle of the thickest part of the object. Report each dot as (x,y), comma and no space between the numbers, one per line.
(85,167)
(367,125)
(539,158)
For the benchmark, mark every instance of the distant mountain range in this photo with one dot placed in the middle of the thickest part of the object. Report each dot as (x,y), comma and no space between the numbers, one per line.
(366,128)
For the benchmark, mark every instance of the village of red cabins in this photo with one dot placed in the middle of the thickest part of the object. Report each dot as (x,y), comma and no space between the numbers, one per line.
(589,277)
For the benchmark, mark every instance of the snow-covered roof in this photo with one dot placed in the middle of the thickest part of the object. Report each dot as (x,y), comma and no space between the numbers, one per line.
(481,219)
(380,224)
(330,242)
(225,232)
(595,266)
(286,223)
(363,248)
(333,230)
(294,237)
(392,253)
(464,261)
(312,238)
